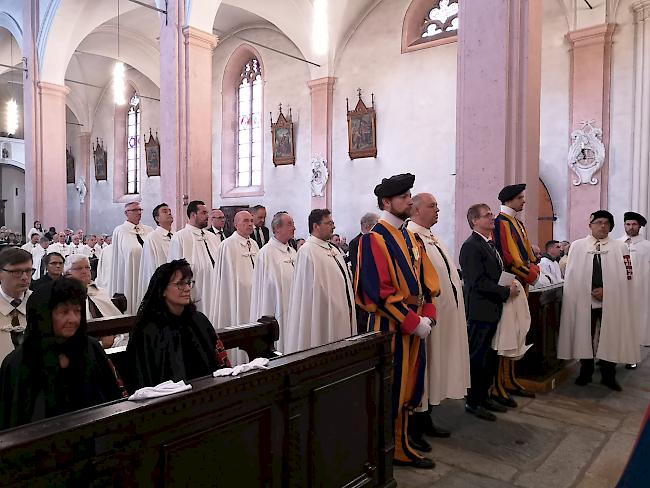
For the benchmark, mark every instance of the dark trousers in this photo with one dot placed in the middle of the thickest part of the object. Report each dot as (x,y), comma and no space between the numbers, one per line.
(607,368)
(483,360)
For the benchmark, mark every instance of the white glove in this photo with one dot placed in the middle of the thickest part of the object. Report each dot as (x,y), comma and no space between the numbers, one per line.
(424,328)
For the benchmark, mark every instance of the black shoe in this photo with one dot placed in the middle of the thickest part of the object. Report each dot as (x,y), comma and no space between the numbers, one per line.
(583,380)
(420,444)
(489,404)
(631,366)
(522,393)
(506,402)
(480,412)
(433,431)
(612,384)
(422,463)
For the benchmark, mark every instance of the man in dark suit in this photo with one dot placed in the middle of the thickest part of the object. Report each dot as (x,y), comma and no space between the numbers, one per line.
(368,221)
(484,299)
(260,231)
(217,224)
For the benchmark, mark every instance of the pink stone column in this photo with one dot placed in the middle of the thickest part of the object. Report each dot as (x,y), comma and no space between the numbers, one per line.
(84,170)
(322,91)
(198,78)
(50,204)
(591,50)
(497,114)
(186,112)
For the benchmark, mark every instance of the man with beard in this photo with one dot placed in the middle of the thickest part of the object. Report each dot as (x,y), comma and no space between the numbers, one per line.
(199,249)
(396,284)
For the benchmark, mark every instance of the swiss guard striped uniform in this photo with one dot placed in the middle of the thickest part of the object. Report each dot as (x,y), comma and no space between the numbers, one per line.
(395,284)
(511,240)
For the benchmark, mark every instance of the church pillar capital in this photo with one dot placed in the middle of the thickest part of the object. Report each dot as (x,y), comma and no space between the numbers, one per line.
(322,95)
(498,104)
(198,38)
(641,10)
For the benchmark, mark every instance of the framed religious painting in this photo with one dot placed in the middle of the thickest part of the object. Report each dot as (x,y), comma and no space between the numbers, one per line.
(99,154)
(152,154)
(282,139)
(362,129)
(69,165)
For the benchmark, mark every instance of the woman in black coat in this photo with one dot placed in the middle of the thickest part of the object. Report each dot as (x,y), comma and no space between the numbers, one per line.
(58,368)
(171,339)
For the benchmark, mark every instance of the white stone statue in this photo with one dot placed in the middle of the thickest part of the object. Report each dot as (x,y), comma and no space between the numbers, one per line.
(586,154)
(81,189)
(319,176)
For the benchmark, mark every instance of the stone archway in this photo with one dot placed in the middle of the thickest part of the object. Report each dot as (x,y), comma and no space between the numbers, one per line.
(546,216)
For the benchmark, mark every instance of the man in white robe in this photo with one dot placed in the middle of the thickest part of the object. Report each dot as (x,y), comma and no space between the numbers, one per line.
(218,224)
(76,246)
(155,250)
(321,306)
(640,256)
(233,276)
(128,240)
(596,317)
(103,279)
(549,264)
(37,255)
(33,242)
(273,275)
(59,245)
(90,247)
(199,248)
(447,372)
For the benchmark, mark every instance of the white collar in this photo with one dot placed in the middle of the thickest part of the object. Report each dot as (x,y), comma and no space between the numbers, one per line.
(162,231)
(593,240)
(486,239)
(419,229)
(216,231)
(278,245)
(391,219)
(8,298)
(195,230)
(508,211)
(320,242)
(633,240)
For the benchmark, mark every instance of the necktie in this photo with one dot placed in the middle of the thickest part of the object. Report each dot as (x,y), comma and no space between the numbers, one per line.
(221,237)
(137,235)
(258,237)
(290,258)
(453,287)
(169,234)
(16,302)
(345,279)
(597,273)
(207,248)
(495,252)
(248,241)
(94,311)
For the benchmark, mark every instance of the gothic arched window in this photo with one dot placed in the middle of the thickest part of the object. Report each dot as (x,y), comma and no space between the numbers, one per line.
(429,23)
(249,125)
(442,20)
(133,146)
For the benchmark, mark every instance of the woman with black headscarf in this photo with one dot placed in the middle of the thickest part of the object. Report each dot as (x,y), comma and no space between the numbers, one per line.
(171,339)
(58,368)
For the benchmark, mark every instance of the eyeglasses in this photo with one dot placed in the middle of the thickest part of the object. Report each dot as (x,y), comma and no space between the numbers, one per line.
(17,273)
(183,283)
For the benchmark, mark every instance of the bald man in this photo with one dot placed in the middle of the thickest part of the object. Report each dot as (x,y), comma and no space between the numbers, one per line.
(233,277)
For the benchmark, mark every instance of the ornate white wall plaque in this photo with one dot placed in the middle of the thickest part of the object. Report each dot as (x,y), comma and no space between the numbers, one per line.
(319,176)
(586,154)
(81,189)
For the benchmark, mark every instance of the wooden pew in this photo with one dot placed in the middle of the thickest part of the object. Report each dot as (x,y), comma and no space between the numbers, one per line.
(257,339)
(321,417)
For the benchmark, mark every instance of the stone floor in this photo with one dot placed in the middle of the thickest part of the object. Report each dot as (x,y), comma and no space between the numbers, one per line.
(572,437)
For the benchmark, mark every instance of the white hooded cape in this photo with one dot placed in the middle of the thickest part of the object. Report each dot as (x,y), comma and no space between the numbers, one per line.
(190,243)
(125,266)
(154,253)
(272,280)
(618,341)
(319,311)
(447,349)
(640,255)
(104,267)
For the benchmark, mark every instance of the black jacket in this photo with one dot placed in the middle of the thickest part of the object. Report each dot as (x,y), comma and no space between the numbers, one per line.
(353,253)
(484,298)
(265,232)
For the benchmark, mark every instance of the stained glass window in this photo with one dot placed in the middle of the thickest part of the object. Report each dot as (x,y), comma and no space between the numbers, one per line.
(133,146)
(442,19)
(249,128)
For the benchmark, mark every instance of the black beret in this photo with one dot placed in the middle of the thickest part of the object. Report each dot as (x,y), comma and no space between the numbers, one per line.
(395,185)
(602,214)
(635,216)
(511,191)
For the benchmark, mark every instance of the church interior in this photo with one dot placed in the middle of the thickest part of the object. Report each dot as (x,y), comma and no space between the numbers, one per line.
(298,105)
